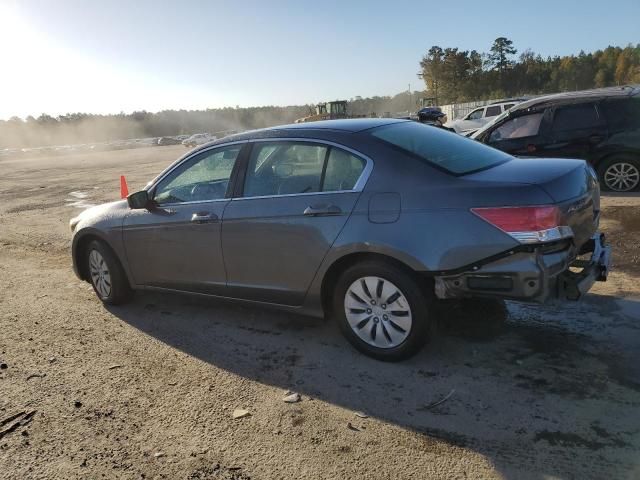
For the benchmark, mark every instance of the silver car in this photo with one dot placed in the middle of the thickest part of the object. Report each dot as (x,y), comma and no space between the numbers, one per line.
(479,117)
(368,221)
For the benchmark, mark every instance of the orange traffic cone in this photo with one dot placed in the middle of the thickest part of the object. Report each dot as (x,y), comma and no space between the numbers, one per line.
(124,191)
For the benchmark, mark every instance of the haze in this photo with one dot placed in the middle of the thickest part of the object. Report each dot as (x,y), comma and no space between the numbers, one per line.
(107,57)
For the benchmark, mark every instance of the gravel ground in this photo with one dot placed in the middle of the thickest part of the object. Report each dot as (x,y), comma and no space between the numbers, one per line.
(148,390)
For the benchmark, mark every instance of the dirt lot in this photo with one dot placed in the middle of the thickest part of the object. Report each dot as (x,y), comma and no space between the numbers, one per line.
(148,390)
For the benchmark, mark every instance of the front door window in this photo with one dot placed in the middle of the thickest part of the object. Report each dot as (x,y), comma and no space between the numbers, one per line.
(518,127)
(204,178)
(476,114)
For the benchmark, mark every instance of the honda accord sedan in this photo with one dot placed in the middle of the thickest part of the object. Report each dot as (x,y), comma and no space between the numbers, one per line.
(368,221)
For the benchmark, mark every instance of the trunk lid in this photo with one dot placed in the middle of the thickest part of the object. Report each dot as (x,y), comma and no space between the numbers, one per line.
(572,184)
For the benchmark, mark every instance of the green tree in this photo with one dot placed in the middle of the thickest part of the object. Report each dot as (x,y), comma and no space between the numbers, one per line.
(472,75)
(500,57)
(432,66)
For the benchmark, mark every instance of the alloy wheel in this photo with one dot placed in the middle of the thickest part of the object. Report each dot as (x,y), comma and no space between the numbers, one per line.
(621,177)
(378,312)
(100,275)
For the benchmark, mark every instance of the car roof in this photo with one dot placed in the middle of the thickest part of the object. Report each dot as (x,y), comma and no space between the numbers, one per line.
(578,97)
(346,125)
(508,100)
(322,128)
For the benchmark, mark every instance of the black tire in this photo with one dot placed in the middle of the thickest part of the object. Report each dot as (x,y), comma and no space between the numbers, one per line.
(417,296)
(627,162)
(119,290)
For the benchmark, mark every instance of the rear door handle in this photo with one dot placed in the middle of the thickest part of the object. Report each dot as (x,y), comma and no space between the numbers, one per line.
(204,217)
(317,210)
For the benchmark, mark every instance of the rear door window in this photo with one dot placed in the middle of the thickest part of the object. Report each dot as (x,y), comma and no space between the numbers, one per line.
(622,114)
(445,150)
(284,168)
(342,172)
(575,117)
(493,111)
(289,168)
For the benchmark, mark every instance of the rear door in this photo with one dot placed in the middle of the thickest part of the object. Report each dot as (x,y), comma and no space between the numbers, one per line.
(576,131)
(295,198)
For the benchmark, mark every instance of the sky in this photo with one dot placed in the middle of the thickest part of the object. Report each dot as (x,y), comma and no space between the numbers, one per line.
(109,56)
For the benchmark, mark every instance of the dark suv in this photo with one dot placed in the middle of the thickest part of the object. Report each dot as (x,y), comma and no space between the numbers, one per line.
(601,126)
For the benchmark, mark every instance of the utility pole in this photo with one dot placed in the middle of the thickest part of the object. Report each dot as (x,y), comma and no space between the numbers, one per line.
(409,109)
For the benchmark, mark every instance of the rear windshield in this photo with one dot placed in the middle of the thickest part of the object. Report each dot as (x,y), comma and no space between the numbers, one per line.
(452,152)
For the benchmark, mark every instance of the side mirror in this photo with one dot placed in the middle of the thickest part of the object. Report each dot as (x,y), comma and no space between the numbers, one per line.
(138,200)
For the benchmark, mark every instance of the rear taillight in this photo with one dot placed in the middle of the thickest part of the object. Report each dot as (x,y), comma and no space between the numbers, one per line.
(527,224)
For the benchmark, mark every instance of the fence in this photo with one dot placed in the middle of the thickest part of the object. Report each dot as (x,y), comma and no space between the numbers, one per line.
(459,110)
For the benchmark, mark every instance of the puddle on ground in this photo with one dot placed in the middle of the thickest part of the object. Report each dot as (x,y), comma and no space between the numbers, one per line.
(79,194)
(78,199)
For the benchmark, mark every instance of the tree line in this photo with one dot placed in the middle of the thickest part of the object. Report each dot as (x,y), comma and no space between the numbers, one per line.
(78,128)
(452,75)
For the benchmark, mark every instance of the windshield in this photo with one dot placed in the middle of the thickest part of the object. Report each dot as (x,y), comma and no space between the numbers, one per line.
(446,150)
(486,126)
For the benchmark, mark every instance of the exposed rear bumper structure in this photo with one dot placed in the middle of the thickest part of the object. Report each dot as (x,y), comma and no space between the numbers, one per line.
(573,285)
(540,274)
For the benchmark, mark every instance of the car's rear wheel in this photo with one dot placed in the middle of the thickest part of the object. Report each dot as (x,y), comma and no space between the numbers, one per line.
(620,174)
(382,310)
(106,274)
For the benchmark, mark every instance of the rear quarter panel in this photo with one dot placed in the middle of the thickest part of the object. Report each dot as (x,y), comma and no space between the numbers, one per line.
(435,230)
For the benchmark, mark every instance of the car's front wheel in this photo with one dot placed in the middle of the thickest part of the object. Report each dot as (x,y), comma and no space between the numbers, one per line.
(382,310)
(106,274)
(620,174)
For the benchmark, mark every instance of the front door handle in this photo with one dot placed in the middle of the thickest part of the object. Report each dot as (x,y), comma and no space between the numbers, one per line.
(316,210)
(204,217)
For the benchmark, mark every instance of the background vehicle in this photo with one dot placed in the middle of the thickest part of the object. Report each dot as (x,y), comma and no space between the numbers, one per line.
(366,220)
(198,139)
(481,116)
(327,111)
(162,141)
(433,116)
(601,126)
(335,110)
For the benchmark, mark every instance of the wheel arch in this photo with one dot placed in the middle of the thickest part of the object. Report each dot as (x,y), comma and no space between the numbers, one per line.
(620,153)
(342,263)
(80,245)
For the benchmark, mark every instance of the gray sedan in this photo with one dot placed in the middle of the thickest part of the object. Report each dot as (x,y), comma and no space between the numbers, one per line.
(369,221)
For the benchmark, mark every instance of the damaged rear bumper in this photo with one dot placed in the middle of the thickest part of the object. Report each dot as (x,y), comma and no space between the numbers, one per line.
(540,274)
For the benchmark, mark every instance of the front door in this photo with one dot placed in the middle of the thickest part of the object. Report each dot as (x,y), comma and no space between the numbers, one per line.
(520,135)
(472,121)
(296,198)
(176,244)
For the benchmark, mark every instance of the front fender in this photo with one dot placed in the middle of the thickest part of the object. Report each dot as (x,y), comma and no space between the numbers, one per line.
(104,223)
